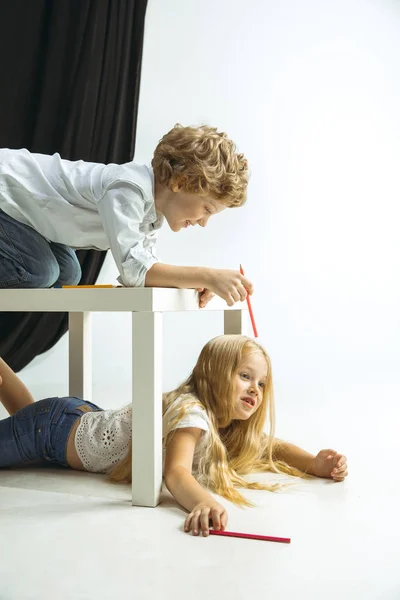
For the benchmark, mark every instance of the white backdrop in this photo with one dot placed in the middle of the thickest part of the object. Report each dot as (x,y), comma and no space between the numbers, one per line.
(310,92)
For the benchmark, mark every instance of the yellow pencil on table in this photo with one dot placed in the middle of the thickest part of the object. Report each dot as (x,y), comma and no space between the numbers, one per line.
(87,286)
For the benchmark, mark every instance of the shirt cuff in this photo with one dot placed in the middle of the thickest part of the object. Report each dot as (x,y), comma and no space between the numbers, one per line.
(133,273)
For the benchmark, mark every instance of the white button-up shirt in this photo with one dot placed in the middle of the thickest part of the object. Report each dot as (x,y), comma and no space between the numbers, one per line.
(85,205)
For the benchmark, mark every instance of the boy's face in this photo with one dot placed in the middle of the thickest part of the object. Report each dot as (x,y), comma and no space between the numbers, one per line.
(183,209)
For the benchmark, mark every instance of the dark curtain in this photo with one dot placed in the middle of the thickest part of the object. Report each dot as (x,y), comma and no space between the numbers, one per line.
(70,72)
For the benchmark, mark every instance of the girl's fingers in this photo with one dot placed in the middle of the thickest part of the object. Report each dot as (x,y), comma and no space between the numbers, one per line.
(340,477)
(327,454)
(330,453)
(341,469)
(188,522)
(339,462)
(192,523)
(196,524)
(342,473)
(224,520)
(216,519)
(204,521)
(338,471)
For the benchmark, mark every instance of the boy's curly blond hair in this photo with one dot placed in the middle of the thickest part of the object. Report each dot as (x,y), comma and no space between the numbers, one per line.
(204,161)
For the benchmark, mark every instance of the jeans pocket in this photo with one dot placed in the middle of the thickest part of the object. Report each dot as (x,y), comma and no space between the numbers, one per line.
(33,410)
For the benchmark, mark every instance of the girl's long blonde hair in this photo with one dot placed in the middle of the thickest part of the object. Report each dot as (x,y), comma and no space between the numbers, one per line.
(235,447)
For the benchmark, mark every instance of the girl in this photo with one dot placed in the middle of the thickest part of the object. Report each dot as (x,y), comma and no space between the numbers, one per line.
(213,432)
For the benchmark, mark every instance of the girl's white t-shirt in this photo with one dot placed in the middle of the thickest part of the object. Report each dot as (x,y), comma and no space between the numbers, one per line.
(102,438)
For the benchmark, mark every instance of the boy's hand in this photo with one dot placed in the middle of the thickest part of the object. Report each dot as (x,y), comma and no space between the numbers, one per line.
(232,286)
(205,296)
(331,464)
(200,517)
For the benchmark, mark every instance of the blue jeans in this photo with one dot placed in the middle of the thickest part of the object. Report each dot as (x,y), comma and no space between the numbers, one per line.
(28,260)
(40,431)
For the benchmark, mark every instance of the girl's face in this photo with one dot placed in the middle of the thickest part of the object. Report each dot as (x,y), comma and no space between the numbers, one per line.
(249,384)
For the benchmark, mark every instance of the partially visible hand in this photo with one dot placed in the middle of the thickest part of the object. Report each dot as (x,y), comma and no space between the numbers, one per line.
(331,464)
(232,286)
(200,517)
(205,296)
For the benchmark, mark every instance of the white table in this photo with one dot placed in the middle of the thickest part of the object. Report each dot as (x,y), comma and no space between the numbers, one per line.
(147,306)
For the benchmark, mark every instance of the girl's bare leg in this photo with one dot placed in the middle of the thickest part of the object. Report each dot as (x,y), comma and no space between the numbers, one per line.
(13,393)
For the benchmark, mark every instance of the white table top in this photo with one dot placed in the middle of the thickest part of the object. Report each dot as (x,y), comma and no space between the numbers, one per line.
(107,299)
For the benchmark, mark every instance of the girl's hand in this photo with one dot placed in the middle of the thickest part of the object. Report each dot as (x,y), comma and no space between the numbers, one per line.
(205,296)
(202,514)
(331,464)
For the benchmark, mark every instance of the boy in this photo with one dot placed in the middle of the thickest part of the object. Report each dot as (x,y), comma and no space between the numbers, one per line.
(50,207)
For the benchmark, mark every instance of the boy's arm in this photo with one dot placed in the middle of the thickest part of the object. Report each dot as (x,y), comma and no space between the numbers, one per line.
(161,275)
(294,456)
(13,393)
(230,285)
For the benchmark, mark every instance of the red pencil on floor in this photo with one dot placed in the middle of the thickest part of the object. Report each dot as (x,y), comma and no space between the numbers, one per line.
(251,536)
(250,309)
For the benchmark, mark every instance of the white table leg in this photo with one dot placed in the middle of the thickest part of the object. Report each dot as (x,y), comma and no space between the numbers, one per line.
(146,408)
(235,321)
(80,355)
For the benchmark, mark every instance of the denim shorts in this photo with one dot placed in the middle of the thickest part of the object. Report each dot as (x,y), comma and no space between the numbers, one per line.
(40,431)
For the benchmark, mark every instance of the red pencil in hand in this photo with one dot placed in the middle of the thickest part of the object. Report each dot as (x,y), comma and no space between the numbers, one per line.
(250,309)
(251,536)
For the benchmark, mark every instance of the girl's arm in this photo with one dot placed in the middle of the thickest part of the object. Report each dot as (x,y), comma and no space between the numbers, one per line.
(294,456)
(13,393)
(327,463)
(201,505)
(178,469)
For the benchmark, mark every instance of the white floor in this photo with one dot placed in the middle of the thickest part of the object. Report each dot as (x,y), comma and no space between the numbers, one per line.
(69,535)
